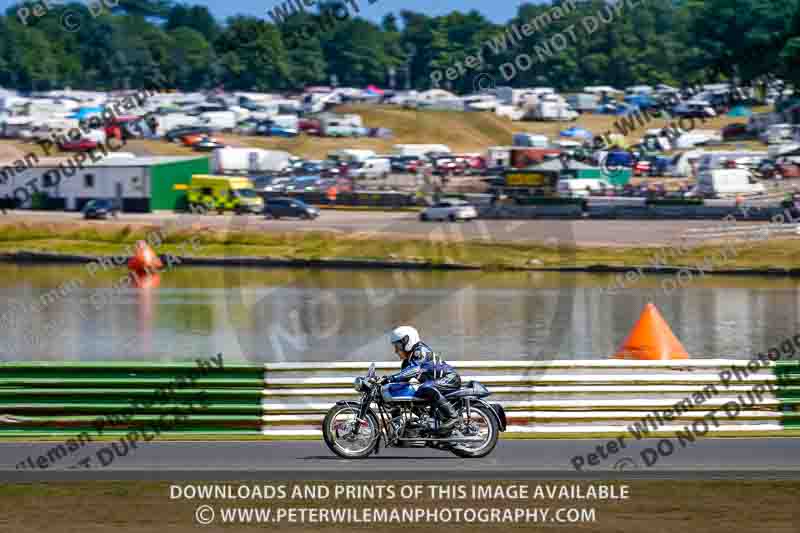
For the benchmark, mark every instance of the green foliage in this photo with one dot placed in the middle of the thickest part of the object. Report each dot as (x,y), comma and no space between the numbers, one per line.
(183,46)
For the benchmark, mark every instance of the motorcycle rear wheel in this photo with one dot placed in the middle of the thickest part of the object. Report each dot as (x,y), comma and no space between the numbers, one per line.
(338,442)
(486,423)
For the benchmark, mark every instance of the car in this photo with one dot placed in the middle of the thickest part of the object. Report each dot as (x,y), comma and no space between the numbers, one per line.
(404,163)
(735,131)
(449,209)
(289,207)
(208,144)
(303,184)
(99,209)
(81,145)
(176,134)
(782,169)
(196,138)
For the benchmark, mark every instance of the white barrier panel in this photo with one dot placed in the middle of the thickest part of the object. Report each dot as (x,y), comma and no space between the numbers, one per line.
(556,399)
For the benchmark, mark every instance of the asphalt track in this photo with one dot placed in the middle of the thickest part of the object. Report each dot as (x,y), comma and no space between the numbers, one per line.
(756,458)
(407,225)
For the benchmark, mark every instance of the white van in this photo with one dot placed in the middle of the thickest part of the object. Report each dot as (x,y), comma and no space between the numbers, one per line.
(219,120)
(373,168)
(580,188)
(726,182)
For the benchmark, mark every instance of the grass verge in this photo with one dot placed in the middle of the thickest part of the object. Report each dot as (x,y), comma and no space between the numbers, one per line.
(110,240)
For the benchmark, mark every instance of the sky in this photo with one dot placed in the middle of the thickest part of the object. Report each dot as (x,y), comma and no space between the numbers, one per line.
(498,11)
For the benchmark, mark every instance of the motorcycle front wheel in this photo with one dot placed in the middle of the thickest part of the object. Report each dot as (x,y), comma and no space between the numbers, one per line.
(348,437)
(481,423)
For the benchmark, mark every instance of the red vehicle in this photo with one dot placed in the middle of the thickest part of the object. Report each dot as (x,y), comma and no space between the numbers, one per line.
(522,157)
(642,168)
(310,126)
(735,131)
(447,166)
(124,127)
(82,145)
(784,169)
(473,163)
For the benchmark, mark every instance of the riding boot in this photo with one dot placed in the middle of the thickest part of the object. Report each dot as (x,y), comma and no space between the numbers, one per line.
(447,416)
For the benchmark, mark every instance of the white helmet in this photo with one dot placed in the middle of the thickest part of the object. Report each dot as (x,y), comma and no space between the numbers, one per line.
(407,335)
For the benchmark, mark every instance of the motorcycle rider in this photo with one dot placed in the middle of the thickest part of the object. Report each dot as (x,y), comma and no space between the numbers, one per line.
(434,374)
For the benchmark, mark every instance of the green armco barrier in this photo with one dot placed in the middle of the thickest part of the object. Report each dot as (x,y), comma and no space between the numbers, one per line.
(47,399)
(567,399)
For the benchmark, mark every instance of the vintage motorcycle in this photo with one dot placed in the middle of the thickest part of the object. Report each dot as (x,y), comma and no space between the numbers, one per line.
(354,430)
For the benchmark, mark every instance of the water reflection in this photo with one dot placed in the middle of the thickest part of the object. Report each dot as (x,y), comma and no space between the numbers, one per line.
(295,314)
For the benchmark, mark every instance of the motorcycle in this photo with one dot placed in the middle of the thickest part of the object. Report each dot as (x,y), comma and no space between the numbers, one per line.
(354,430)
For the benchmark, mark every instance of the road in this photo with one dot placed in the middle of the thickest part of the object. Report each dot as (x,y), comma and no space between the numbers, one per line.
(512,459)
(407,225)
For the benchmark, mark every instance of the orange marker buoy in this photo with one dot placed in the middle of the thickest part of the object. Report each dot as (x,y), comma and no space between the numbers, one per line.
(146,281)
(651,339)
(144,258)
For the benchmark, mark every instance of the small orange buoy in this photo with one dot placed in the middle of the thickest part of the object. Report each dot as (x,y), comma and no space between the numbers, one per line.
(146,280)
(144,259)
(651,339)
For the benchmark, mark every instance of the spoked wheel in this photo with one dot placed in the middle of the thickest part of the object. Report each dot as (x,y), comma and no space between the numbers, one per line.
(481,424)
(346,435)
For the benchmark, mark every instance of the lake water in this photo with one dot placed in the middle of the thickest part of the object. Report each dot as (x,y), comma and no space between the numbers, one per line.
(257,315)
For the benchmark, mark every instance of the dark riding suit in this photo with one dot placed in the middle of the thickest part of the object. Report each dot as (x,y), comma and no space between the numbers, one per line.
(435,376)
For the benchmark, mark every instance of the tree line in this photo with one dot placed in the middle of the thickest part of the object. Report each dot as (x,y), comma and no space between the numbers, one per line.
(157,42)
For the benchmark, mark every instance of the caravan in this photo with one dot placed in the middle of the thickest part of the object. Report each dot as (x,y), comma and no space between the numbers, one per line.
(723,182)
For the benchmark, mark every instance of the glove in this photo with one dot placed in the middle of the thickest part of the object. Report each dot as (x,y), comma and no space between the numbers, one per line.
(384,380)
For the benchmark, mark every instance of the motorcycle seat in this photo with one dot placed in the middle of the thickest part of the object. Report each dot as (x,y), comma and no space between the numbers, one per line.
(468,389)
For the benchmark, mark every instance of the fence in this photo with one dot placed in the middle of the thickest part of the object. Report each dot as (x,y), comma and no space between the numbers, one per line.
(742,232)
(542,399)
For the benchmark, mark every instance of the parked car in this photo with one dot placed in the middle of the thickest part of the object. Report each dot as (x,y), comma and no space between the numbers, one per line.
(175,135)
(303,184)
(99,209)
(735,131)
(195,138)
(81,145)
(405,163)
(780,169)
(449,209)
(289,207)
(208,144)
(271,130)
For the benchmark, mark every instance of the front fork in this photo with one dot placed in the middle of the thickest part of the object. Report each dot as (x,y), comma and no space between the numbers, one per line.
(362,413)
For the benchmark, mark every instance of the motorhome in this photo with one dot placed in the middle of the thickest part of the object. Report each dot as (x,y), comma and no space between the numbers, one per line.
(419,150)
(781,134)
(348,125)
(531,140)
(373,168)
(347,155)
(583,102)
(249,160)
(581,188)
(726,182)
(219,120)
